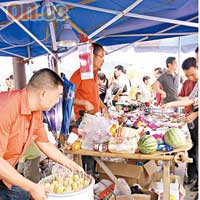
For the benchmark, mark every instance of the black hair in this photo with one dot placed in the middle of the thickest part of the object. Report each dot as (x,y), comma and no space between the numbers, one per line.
(11,77)
(120,67)
(101,76)
(188,63)
(197,50)
(170,60)
(62,75)
(159,70)
(146,78)
(97,48)
(45,78)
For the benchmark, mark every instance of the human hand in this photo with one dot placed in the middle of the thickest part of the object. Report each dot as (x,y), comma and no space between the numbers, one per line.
(166,106)
(191,117)
(115,98)
(163,95)
(88,106)
(196,102)
(37,192)
(74,167)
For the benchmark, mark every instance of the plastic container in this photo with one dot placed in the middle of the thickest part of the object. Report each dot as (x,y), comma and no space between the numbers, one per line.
(86,193)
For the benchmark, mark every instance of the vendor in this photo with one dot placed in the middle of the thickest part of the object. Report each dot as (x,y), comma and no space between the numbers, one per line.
(87,96)
(87,92)
(190,69)
(21,123)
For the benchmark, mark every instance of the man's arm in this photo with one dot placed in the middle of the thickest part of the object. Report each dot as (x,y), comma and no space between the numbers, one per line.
(118,93)
(184,102)
(156,87)
(81,102)
(51,151)
(9,174)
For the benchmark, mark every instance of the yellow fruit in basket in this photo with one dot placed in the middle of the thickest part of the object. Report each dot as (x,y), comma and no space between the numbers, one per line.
(74,186)
(70,183)
(81,181)
(86,183)
(60,189)
(68,188)
(54,182)
(75,177)
(66,182)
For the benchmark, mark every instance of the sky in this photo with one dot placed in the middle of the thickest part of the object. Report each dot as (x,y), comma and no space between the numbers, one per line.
(137,64)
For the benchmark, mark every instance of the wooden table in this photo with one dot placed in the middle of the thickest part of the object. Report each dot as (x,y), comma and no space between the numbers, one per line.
(166,157)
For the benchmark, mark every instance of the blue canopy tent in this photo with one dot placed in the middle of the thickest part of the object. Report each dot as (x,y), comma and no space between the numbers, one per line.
(107,22)
(184,44)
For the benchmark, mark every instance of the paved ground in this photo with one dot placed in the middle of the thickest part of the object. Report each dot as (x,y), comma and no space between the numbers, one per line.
(181,172)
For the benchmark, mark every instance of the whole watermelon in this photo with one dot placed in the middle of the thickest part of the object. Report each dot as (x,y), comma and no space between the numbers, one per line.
(147,144)
(174,137)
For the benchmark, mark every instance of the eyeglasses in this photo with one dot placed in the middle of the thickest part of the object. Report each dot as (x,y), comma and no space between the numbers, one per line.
(101,56)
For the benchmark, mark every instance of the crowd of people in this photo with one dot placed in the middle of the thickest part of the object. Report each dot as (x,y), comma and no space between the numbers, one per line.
(22,129)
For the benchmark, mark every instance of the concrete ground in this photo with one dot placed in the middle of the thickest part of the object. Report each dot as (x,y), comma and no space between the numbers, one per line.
(181,172)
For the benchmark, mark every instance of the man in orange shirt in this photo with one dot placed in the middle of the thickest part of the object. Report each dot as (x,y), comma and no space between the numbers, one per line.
(87,93)
(87,96)
(21,123)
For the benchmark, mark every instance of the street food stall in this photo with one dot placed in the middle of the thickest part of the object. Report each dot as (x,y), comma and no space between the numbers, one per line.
(137,135)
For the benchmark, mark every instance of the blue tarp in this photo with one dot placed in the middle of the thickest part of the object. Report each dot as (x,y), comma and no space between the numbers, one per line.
(14,40)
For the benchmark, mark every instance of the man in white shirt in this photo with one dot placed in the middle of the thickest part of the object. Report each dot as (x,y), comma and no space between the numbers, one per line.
(143,90)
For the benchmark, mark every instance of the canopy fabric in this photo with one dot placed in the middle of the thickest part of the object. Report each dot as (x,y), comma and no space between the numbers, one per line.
(108,22)
(183,44)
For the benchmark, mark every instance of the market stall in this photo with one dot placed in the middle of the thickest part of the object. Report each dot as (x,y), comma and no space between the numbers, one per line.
(135,123)
(165,157)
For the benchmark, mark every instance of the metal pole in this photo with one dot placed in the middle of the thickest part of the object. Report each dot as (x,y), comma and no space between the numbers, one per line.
(121,14)
(142,39)
(26,30)
(19,72)
(160,19)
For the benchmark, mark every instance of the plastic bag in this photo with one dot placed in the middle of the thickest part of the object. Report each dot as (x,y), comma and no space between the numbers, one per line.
(68,100)
(58,117)
(94,129)
(118,191)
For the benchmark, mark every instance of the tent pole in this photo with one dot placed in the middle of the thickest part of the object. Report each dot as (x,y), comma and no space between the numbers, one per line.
(53,36)
(159,19)
(26,30)
(162,31)
(12,3)
(179,63)
(12,54)
(19,72)
(121,14)
(20,17)
(146,34)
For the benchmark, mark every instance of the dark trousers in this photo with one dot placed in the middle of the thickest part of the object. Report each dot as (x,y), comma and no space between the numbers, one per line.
(192,169)
(89,165)
(15,193)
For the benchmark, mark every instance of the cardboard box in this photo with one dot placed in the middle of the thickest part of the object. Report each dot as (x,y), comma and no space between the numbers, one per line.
(176,189)
(133,197)
(131,173)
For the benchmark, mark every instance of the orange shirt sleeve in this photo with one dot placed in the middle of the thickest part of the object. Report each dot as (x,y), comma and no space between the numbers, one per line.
(40,131)
(5,127)
(76,79)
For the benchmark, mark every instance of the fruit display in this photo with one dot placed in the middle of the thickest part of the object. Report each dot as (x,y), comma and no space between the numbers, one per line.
(147,144)
(174,137)
(60,184)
